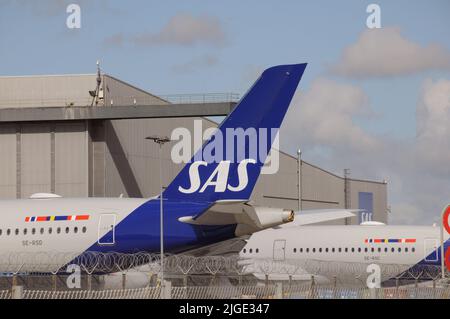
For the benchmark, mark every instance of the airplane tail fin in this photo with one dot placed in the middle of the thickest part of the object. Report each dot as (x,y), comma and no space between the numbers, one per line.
(229,163)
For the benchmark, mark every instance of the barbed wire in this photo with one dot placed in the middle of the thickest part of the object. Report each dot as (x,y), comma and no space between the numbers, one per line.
(181,264)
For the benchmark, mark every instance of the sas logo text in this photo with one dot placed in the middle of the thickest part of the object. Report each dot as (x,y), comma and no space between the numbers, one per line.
(218,178)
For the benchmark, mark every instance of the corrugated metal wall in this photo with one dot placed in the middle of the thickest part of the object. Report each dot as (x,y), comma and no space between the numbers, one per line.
(71,160)
(64,90)
(35,162)
(321,188)
(39,158)
(280,189)
(8,162)
(118,92)
(131,162)
(46,91)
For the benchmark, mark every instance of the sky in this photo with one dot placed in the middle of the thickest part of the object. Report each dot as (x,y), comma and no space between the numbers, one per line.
(376,101)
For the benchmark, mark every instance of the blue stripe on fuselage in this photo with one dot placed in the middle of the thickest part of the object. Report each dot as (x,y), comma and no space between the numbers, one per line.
(140,230)
(421,265)
(436,254)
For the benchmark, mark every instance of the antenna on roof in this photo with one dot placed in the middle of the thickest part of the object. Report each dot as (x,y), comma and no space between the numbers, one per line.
(95,94)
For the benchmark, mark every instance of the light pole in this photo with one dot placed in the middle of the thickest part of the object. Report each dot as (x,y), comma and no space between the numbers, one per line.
(347,191)
(160,140)
(299,178)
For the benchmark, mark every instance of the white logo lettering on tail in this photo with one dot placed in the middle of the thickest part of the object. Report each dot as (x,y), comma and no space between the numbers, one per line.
(218,178)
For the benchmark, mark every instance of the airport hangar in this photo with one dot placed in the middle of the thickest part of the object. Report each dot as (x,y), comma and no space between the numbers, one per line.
(57,137)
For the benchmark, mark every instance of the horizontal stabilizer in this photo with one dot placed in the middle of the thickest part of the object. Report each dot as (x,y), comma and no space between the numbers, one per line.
(234,211)
(222,212)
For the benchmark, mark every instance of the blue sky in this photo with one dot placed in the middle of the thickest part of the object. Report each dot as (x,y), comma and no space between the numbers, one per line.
(35,40)
(250,36)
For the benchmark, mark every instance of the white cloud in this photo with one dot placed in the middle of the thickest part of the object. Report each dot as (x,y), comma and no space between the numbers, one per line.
(405,213)
(186,30)
(182,29)
(385,52)
(196,63)
(417,169)
(433,125)
(116,40)
(324,115)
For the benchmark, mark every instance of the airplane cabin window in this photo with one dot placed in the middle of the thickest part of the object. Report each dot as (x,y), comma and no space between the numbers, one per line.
(340,249)
(75,230)
(251,250)
(326,250)
(385,249)
(0,232)
(372,249)
(406,249)
(307,250)
(346,249)
(366,250)
(67,230)
(245,250)
(25,230)
(399,250)
(379,249)
(353,249)
(313,250)
(413,249)
(295,250)
(320,250)
(50,230)
(257,250)
(17,231)
(8,232)
(84,229)
(301,250)
(359,249)
(332,250)
(58,230)
(33,231)
(392,249)
(42,231)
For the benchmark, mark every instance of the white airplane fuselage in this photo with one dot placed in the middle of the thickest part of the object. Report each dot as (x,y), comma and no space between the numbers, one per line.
(45,234)
(404,246)
(59,224)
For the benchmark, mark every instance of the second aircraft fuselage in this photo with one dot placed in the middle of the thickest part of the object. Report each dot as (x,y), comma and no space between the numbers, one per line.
(405,245)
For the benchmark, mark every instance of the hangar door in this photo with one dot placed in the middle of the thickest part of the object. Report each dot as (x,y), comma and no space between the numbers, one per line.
(50,158)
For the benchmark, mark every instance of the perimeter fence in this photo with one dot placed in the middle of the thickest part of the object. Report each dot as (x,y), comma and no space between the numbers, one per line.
(116,275)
